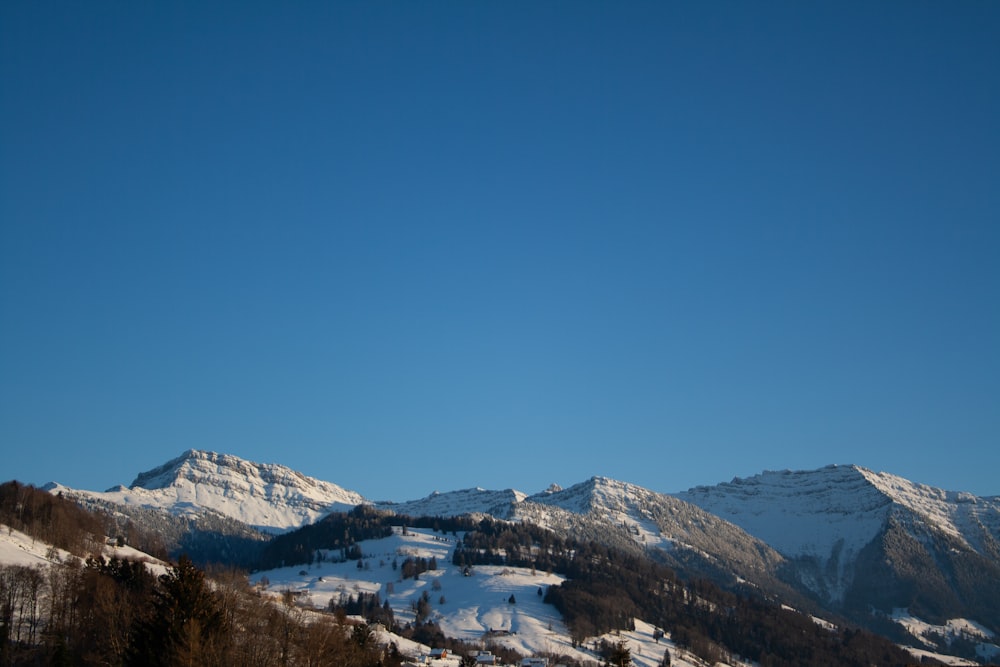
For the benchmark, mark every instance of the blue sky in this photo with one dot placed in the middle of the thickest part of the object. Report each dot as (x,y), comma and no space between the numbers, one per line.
(416,246)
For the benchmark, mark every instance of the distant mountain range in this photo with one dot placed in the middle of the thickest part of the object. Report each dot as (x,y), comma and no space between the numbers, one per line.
(841,541)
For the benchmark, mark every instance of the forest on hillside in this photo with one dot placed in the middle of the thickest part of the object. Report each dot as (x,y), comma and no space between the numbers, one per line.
(95,611)
(607,588)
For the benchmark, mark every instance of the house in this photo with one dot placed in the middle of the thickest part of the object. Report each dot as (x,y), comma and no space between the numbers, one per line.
(439,653)
(535,662)
(485,658)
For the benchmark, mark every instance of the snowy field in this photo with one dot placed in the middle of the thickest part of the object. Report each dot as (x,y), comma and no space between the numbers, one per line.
(16,548)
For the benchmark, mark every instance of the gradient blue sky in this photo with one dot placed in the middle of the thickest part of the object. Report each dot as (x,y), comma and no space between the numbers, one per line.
(415,246)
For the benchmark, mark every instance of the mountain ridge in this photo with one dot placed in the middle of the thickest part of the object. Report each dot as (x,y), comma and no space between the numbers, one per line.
(858,540)
(841,538)
(266,496)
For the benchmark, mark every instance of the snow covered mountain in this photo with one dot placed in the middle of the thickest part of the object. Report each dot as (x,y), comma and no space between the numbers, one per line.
(668,529)
(842,538)
(858,539)
(266,496)
(619,514)
(456,503)
(627,517)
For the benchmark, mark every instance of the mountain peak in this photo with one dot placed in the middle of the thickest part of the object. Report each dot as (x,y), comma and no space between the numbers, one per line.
(167,473)
(456,503)
(264,495)
(603,495)
(830,515)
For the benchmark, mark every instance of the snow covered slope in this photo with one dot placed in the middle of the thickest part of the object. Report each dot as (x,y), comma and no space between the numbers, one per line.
(669,530)
(973,520)
(828,515)
(477,608)
(812,512)
(19,549)
(266,496)
(861,540)
(16,548)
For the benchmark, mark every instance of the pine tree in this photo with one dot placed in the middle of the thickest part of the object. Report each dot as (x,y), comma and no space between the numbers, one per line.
(621,656)
(187,625)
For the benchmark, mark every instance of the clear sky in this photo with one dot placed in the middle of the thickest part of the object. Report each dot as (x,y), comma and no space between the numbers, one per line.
(407,246)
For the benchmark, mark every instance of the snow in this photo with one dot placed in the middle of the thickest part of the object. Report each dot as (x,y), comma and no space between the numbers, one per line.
(840,509)
(618,502)
(473,605)
(800,514)
(651,520)
(953,629)
(16,548)
(969,518)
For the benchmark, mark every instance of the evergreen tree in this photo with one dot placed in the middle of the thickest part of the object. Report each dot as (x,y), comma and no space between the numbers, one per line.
(621,656)
(187,625)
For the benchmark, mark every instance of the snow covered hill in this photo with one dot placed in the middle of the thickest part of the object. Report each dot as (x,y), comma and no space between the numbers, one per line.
(492,606)
(19,549)
(266,496)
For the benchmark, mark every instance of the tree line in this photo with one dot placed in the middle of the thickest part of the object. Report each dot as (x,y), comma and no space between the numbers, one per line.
(49,518)
(342,531)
